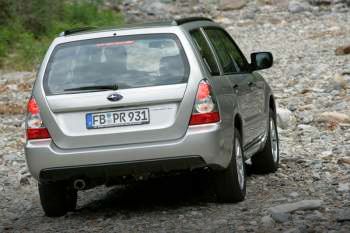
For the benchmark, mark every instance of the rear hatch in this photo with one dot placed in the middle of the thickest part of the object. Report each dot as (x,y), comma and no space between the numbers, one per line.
(116,91)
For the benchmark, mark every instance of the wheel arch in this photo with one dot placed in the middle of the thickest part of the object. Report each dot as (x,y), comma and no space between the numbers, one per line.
(272,105)
(238,124)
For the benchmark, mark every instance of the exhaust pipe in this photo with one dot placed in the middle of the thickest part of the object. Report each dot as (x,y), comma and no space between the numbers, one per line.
(79,184)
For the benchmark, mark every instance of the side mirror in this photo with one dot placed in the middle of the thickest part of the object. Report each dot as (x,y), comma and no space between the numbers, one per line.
(260,61)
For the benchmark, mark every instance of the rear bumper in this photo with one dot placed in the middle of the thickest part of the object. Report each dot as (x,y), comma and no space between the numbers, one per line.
(201,146)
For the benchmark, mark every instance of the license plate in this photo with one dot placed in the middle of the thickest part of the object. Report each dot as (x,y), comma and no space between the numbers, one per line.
(117,118)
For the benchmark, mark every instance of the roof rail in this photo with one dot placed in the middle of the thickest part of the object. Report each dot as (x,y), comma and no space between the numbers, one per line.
(75,30)
(191,19)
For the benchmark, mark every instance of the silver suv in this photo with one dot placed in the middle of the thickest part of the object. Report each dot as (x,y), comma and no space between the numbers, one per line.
(173,96)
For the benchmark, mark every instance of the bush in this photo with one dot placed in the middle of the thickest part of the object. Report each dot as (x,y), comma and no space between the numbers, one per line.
(28,26)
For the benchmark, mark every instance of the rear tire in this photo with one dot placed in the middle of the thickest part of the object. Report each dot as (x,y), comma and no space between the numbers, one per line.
(267,160)
(230,184)
(71,199)
(56,199)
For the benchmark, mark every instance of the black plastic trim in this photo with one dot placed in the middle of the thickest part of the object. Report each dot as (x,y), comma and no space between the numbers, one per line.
(111,170)
(76,30)
(191,19)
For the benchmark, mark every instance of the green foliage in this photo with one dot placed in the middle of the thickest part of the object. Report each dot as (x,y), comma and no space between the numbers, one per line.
(28,26)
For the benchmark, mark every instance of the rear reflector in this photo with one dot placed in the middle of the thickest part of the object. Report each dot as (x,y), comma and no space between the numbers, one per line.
(40,133)
(204,118)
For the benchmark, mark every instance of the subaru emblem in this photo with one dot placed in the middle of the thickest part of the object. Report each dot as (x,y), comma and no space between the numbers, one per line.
(114,97)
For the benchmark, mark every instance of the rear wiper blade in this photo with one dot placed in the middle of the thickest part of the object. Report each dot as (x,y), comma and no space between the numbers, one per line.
(98,87)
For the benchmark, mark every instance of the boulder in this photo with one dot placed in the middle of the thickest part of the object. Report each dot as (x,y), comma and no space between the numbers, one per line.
(284,118)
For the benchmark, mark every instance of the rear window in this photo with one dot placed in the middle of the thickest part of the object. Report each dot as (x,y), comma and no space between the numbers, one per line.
(126,61)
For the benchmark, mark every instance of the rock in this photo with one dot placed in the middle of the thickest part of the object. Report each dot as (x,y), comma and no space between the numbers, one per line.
(281,217)
(344,187)
(12,87)
(300,205)
(24,179)
(292,107)
(280,3)
(267,220)
(341,106)
(227,5)
(320,2)
(316,176)
(339,82)
(10,157)
(154,7)
(344,161)
(223,20)
(253,223)
(343,215)
(305,117)
(308,131)
(24,176)
(220,222)
(342,50)
(284,118)
(340,7)
(294,194)
(334,117)
(297,7)
(292,230)
(315,216)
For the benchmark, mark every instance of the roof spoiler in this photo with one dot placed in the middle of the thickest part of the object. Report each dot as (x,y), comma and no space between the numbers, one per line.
(76,30)
(191,19)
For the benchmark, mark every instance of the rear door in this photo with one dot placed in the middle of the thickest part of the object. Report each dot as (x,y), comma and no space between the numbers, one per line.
(117,90)
(235,68)
(220,84)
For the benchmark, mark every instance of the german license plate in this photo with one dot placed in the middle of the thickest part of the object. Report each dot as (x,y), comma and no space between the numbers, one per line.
(117,118)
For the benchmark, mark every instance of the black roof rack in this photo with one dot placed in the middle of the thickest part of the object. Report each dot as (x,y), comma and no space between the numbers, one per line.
(175,22)
(191,19)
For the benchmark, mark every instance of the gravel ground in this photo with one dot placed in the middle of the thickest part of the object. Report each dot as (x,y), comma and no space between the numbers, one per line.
(312,87)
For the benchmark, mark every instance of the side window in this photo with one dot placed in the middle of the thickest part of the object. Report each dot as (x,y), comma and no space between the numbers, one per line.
(204,50)
(226,61)
(227,48)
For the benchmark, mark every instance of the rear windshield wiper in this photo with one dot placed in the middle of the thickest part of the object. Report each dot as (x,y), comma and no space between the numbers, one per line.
(97,87)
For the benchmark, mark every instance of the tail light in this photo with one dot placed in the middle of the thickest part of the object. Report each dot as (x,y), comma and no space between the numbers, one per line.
(35,127)
(205,109)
